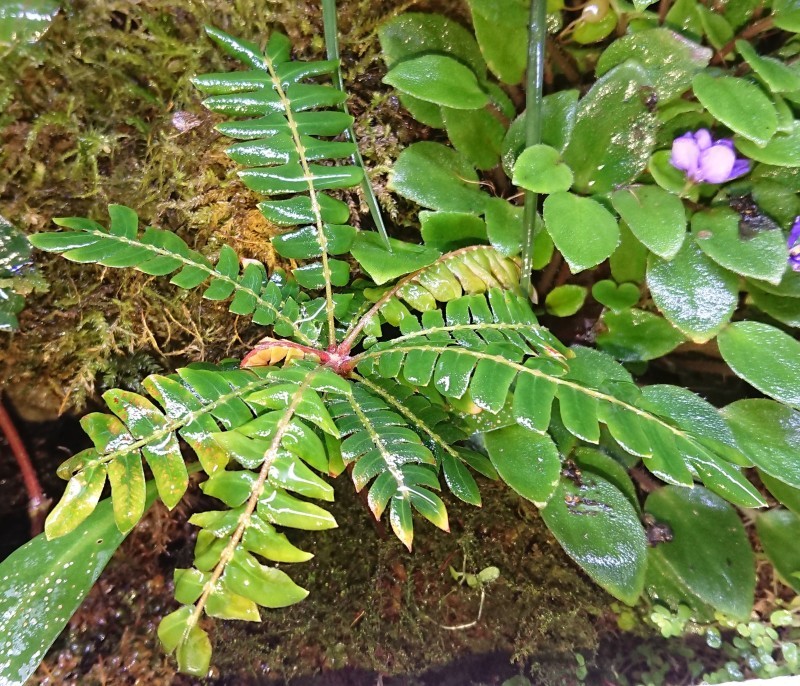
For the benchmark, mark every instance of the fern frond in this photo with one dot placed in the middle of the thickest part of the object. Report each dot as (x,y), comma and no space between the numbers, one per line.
(228,580)
(594,390)
(159,253)
(385,451)
(471,270)
(290,115)
(440,430)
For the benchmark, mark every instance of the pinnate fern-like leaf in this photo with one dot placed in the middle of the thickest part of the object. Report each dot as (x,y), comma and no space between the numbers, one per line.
(479,352)
(228,579)
(282,151)
(159,253)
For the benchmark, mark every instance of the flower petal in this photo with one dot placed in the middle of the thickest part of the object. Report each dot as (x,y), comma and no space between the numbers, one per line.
(703,139)
(685,154)
(794,234)
(740,168)
(716,164)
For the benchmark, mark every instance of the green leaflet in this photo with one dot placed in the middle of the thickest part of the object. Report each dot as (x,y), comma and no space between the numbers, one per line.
(481,356)
(160,253)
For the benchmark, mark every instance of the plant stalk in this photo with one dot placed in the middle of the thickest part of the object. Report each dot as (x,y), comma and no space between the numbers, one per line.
(332,48)
(537,37)
(38,503)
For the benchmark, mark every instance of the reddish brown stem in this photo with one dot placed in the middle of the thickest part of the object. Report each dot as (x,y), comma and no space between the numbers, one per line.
(37,502)
(751,31)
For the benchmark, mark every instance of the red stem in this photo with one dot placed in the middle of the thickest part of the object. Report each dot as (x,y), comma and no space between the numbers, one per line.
(37,502)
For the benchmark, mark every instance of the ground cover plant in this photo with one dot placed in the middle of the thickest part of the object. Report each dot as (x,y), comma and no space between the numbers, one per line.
(647,177)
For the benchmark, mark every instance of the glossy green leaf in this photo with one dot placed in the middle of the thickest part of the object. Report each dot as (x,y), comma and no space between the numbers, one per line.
(656,217)
(616,297)
(779,77)
(504,227)
(786,495)
(126,476)
(601,464)
(476,134)
(459,480)
(779,531)
(25,21)
(769,434)
(709,558)
(786,15)
(614,132)
(526,461)
(303,244)
(500,27)
(446,231)
(762,256)
(163,456)
(765,357)
(414,33)
(312,276)
(401,520)
(381,265)
(438,178)
(584,231)
(267,586)
(694,293)
(78,502)
(44,582)
(783,150)
(540,169)
(278,507)
(439,79)
(723,96)
(629,261)
(634,334)
(599,528)
(566,300)
(672,58)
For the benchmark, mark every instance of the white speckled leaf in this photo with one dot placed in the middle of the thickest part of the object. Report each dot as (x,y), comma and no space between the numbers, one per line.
(43,583)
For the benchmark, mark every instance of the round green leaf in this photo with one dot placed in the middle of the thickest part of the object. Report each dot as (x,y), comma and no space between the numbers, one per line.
(413,33)
(634,334)
(599,528)
(673,58)
(437,177)
(655,216)
(584,231)
(540,169)
(25,22)
(438,79)
(614,133)
(587,32)
(782,151)
(526,461)
(779,531)
(566,300)
(738,104)
(709,557)
(615,297)
(763,256)
(629,261)
(477,134)
(769,434)
(694,293)
(501,29)
(765,357)
(450,230)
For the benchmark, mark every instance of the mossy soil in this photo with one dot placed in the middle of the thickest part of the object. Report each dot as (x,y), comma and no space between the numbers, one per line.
(102,111)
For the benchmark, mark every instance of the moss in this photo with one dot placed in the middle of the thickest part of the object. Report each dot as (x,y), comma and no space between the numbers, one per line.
(377,607)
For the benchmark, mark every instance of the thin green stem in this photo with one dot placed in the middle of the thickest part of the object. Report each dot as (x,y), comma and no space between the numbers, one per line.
(537,36)
(332,47)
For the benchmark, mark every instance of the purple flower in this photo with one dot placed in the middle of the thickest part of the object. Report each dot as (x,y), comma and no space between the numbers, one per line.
(705,160)
(793,243)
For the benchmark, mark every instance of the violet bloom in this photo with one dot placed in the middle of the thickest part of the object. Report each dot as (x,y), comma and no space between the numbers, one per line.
(705,160)
(793,243)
